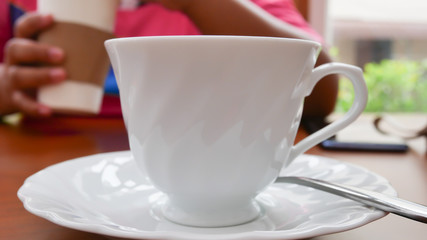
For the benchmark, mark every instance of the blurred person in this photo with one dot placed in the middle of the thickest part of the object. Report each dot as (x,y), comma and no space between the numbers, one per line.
(22,55)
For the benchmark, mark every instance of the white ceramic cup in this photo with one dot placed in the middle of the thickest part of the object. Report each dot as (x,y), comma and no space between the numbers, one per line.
(212,119)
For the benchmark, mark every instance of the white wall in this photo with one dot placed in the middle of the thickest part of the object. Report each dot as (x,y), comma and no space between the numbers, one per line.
(403,22)
(379,10)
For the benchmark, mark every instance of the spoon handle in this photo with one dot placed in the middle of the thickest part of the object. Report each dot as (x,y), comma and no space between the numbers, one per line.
(370,198)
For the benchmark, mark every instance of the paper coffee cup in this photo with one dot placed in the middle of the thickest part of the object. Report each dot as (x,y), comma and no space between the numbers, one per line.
(81,27)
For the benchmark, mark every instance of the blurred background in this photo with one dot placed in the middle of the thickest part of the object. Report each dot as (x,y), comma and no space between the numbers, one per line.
(387,39)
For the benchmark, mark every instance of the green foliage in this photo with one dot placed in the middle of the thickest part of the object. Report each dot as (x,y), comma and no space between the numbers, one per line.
(393,86)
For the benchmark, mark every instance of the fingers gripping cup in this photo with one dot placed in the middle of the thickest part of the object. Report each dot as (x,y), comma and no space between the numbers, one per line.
(80,28)
(212,120)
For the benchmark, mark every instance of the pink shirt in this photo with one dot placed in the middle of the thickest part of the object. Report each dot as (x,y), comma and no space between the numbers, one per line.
(154,20)
(5,27)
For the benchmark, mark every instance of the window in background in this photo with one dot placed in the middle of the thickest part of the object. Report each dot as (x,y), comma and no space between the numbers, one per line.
(388,39)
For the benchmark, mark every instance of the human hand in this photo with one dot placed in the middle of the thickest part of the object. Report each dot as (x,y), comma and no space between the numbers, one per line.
(27,66)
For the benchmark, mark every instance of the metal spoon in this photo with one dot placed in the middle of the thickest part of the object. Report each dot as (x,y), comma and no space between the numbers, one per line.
(370,198)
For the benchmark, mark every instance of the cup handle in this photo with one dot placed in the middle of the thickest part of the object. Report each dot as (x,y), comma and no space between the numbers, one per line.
(355,75)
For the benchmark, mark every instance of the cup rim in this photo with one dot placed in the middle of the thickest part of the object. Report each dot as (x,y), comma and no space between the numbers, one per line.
(213,37)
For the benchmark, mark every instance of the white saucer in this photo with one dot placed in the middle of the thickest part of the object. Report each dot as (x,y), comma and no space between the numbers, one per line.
(106,194)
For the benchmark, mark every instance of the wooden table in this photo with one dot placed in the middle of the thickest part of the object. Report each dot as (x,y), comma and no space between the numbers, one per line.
(33,145)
